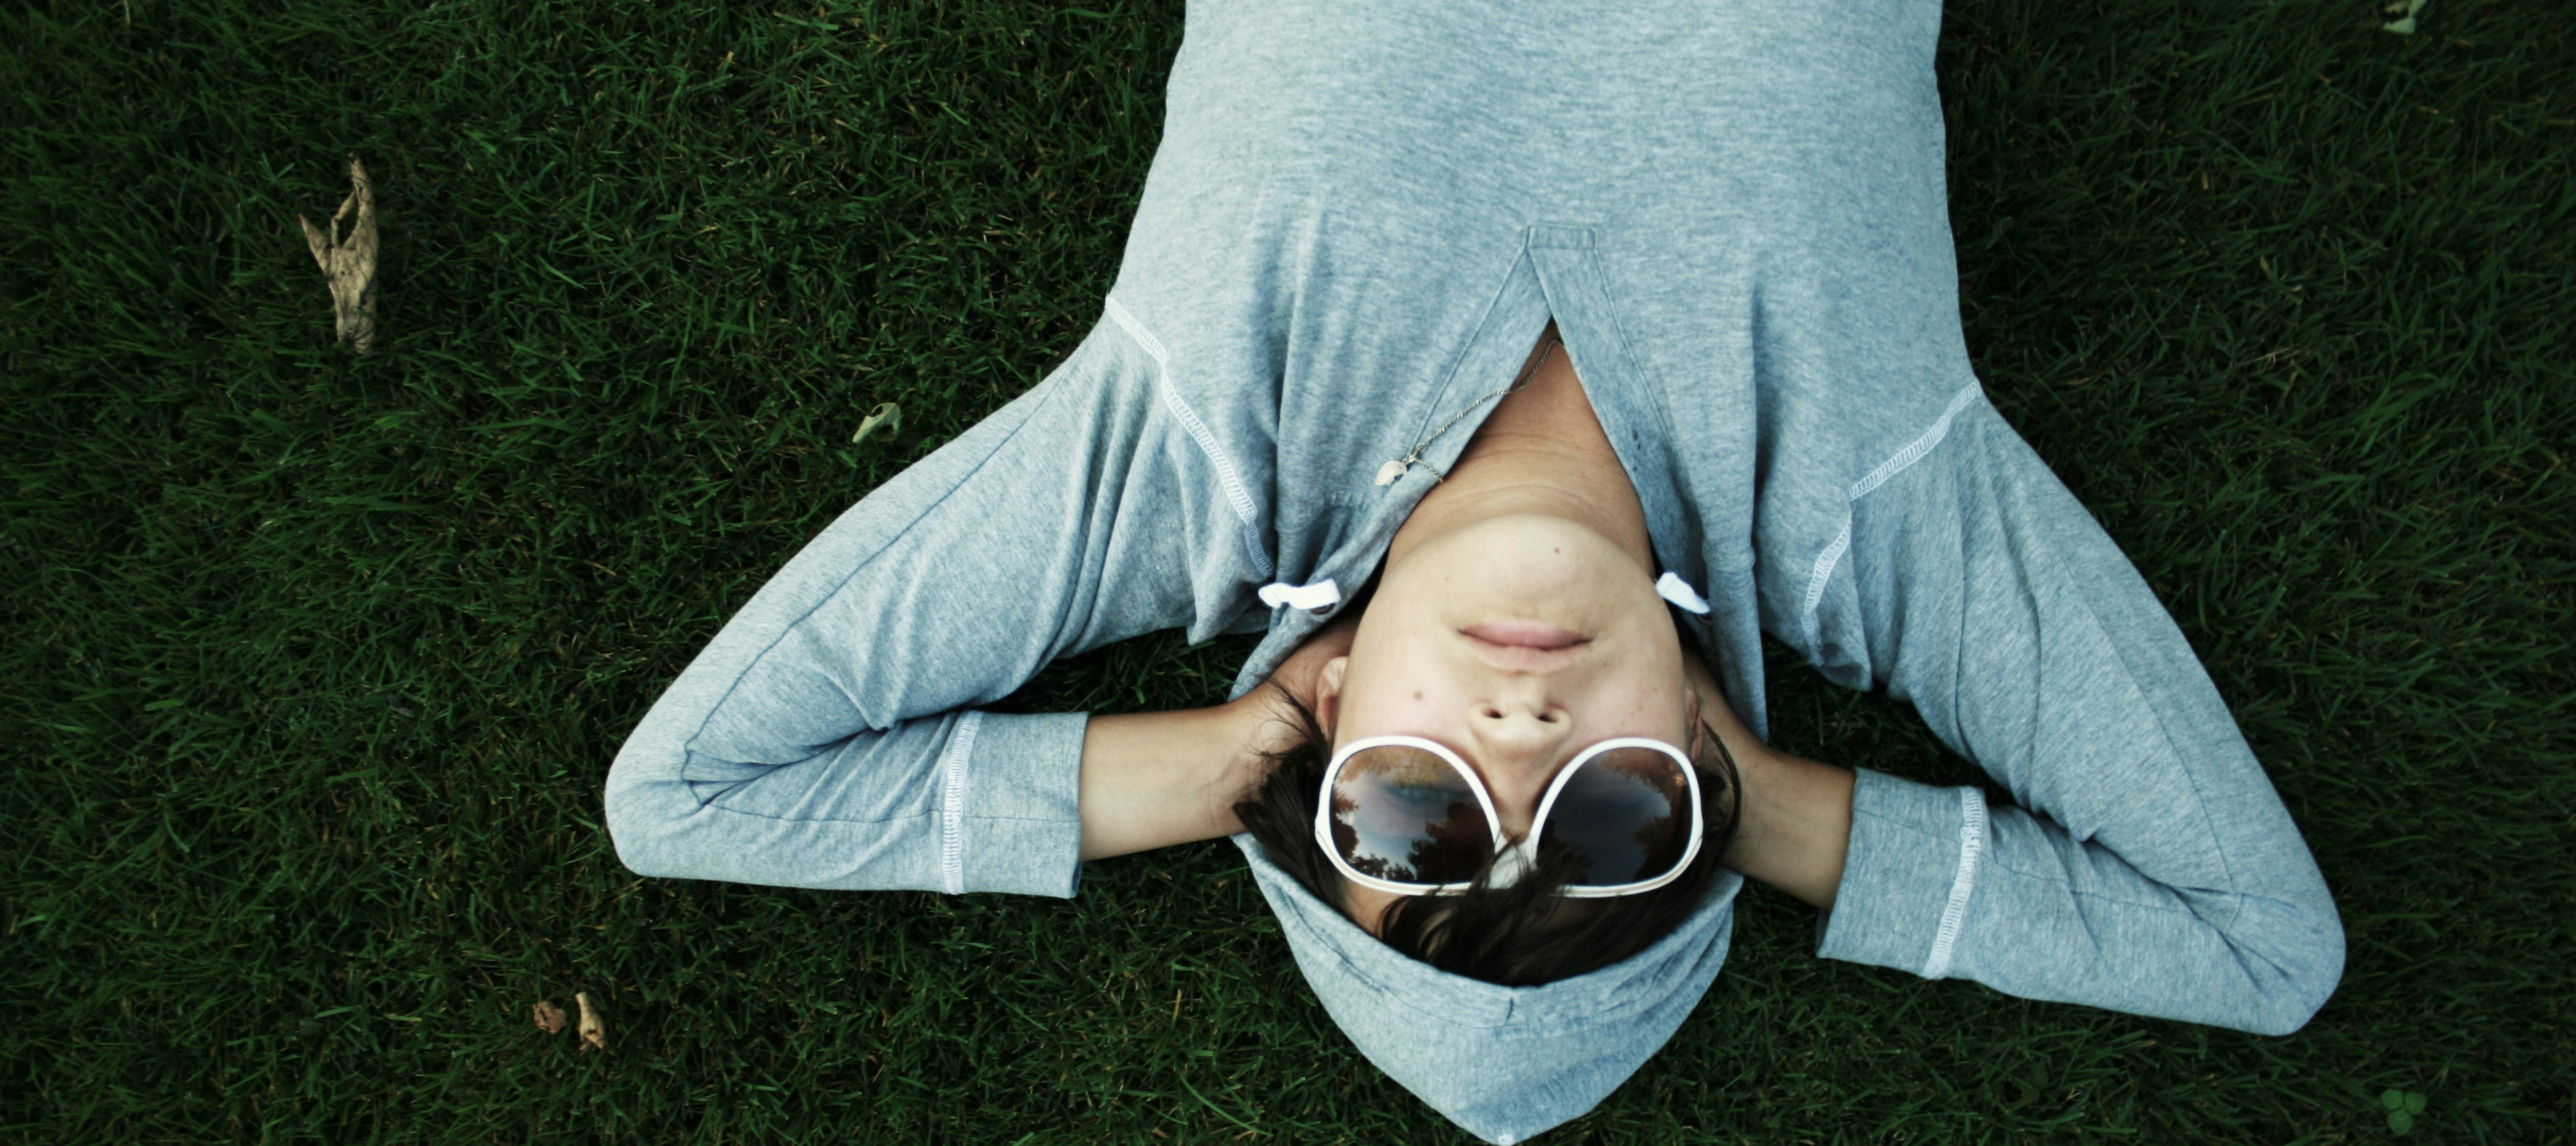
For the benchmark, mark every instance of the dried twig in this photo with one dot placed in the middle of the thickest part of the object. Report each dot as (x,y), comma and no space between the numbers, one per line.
(350,263)
(593,1032)
(550,1018)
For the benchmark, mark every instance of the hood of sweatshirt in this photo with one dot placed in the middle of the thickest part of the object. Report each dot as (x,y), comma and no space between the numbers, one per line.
(1504,1063)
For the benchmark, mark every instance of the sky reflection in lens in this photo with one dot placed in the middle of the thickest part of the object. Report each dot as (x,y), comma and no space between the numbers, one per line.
(1406,815)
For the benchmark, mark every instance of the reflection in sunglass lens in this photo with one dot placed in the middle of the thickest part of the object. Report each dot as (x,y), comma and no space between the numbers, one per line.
(1405,815)
(1625,814)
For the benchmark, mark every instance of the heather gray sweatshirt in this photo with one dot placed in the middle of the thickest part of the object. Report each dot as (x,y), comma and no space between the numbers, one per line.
(1359,220)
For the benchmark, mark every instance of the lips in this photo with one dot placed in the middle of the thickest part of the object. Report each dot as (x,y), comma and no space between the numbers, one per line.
(1525,646)
(1525,635)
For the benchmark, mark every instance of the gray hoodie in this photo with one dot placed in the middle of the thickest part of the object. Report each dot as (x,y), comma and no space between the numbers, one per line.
(1359,220)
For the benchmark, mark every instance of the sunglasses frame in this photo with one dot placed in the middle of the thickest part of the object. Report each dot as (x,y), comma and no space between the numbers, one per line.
(1510,863)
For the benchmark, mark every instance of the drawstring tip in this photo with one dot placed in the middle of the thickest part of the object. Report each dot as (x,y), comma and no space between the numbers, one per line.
(1678,591)
(1322,594)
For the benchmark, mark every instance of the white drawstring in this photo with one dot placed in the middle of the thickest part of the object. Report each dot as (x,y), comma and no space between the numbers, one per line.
(1322,594)
(1679,592)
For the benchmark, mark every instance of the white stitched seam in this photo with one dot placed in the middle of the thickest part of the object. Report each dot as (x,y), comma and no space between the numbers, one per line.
(1823,572)
(1817,579)
(1235,495)
(1914,451)
(1972,847)
(952,803)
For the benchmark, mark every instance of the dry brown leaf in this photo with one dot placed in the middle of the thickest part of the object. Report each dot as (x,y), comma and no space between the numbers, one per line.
(550,1018)
(350,263)
(888,415)
(593,1032)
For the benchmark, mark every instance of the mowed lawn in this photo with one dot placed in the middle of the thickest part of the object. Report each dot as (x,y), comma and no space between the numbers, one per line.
(315,662)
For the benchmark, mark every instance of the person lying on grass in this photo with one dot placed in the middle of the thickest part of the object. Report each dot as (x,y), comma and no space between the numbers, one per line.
(1514,369)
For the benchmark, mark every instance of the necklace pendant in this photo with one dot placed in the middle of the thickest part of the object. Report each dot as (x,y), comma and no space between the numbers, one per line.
(1386,474)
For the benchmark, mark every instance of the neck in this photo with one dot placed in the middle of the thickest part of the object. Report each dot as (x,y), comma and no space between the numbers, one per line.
(1541,451)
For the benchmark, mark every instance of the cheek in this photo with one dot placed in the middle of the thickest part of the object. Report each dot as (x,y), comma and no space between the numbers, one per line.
(1640,706)
(1393,676)
(1393,701)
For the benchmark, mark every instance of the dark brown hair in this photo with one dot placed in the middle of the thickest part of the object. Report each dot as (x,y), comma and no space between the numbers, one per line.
(1517,936)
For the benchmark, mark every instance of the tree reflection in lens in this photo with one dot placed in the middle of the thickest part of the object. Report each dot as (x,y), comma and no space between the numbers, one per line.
(1406,815)
(1622,815)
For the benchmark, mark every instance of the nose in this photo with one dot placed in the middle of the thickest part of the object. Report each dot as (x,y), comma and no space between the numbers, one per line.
(1518,733)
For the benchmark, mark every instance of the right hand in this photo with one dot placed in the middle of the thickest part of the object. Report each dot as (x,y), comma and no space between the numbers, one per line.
(1270,721)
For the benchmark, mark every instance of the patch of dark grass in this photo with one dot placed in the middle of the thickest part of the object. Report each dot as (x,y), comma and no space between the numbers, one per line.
(316,661)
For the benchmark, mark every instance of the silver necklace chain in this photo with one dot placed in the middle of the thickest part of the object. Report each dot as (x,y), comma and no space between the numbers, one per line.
(1386,474)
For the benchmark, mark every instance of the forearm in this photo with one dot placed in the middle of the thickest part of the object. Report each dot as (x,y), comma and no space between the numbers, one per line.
(1795,829)
(1794,816)
(1156,779)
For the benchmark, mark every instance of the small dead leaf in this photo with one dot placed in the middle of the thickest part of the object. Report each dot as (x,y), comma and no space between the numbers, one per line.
(593,1032)
(888,415)
(350,263)
(550,1018)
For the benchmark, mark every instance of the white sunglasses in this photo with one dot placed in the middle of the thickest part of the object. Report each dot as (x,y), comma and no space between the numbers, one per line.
(1393,817)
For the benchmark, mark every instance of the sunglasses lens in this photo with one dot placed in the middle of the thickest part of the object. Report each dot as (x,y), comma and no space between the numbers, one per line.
(1625,814)
(1405,815)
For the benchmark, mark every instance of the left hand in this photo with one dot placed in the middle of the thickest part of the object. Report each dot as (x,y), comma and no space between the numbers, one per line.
(1794,814)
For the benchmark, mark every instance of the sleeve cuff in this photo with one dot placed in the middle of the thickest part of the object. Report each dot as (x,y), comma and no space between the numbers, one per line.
(1010,805)
(1908,876)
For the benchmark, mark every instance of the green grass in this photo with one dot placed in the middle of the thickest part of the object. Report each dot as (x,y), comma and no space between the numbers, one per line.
(315,662)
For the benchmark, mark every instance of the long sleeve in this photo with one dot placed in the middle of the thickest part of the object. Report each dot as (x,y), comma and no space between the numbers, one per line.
(2149,866)
(828,736)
